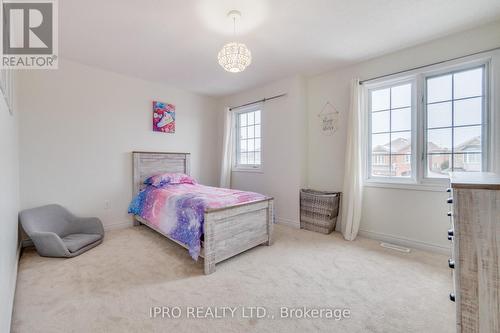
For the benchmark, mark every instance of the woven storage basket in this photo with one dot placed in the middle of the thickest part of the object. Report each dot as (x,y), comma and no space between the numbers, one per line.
(319,210)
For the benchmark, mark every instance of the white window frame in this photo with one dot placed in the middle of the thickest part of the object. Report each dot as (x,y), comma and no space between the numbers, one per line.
(419,181)
(485,132)
(384,85)
(246,167)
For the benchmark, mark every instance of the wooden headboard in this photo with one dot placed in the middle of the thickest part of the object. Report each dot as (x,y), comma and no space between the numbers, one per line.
(147,164)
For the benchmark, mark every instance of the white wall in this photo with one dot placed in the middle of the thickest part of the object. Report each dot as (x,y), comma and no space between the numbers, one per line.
(284,146)
(9,206)
(402,216)
(79,125)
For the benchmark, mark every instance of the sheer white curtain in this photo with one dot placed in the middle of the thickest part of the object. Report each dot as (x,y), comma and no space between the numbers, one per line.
(353,180)
(227,150)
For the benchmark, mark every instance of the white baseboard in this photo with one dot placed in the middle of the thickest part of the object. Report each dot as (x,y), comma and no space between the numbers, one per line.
(402,241)
(288,222)
(119,225)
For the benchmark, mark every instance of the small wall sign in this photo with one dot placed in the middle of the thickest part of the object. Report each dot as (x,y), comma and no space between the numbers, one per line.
(329,119)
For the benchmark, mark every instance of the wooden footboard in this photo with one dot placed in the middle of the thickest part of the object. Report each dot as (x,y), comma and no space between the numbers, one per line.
(232,230)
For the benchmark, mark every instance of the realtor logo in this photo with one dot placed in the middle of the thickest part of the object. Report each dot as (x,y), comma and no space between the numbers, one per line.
(29,34)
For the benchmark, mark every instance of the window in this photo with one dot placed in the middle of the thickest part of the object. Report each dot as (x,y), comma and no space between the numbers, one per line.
(454,131)
(391,131)
(248,139)
(423,126)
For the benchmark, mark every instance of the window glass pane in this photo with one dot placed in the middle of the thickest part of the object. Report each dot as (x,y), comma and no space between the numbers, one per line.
(464,118)
(439,115)
(401,165)
(257,131)
(251,131)
(401,120)
(251,145)
(401,143)
(248,148)
(243,158)
(468,83)
(380,99)
(391,126)
(439,89)
(467,139)
(257,117)
(401,96)
(438,166)
(257,157)
(439,140)
(251,159)
(380,144)
(243,145)
(380,165)
(468,111)
(243,133)
(251,118)
(243,119)
(380,122)
(467,162)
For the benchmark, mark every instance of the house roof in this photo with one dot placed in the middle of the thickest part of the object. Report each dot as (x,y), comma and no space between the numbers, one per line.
(471,144)
(402,146)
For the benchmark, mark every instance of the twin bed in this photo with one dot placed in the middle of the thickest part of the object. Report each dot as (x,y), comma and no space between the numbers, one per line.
(231,221)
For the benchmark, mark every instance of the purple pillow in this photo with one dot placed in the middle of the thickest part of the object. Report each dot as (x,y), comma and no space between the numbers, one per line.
(169,178)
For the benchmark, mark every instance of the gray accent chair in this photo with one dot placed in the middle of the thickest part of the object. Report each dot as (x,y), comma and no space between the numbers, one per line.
(58,233)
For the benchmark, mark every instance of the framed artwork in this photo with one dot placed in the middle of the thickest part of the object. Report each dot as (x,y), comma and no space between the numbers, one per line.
(163,117)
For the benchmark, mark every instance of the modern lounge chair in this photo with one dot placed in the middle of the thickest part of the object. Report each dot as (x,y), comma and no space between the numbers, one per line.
(58,233)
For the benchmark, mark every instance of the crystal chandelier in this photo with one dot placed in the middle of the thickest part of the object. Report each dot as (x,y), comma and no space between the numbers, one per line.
(234,57)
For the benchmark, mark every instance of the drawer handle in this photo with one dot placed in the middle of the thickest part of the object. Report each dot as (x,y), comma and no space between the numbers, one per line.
(452,297)
(450,238)
(449,214)
(449,200)
(451,263)
(448,190)
(451,232)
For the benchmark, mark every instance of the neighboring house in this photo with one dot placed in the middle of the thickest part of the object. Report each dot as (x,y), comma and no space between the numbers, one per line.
(438,160)
(468,155)
(394,158)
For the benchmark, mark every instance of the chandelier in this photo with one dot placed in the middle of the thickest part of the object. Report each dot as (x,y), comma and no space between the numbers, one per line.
(234,57)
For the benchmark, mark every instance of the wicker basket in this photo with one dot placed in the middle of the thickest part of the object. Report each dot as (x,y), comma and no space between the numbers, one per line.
(319,210)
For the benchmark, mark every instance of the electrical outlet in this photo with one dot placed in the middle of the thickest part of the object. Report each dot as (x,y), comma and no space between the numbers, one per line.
(106,204)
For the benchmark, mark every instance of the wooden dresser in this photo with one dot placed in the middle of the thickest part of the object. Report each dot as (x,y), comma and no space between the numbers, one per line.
(475,233)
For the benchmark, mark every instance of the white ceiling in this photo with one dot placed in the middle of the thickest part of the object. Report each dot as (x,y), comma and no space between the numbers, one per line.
(177,41)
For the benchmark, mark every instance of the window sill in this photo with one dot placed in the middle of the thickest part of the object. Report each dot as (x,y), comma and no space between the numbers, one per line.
(432,187)
(254,170)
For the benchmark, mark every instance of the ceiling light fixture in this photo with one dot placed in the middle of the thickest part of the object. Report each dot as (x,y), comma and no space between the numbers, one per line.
(234,57)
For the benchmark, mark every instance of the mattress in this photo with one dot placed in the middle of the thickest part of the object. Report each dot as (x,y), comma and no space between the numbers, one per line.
(178,210)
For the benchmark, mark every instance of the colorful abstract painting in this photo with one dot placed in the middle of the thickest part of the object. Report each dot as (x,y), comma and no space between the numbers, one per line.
(163,117)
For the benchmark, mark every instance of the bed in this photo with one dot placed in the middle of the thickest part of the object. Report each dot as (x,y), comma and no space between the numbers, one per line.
(228,230)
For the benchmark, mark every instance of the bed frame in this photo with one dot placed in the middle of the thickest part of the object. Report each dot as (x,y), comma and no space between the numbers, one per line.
(228,231)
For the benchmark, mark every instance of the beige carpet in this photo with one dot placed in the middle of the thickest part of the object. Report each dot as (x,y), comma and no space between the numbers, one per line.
(112,287)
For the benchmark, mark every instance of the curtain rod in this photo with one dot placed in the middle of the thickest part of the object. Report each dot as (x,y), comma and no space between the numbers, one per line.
(424,66)
(255,102)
